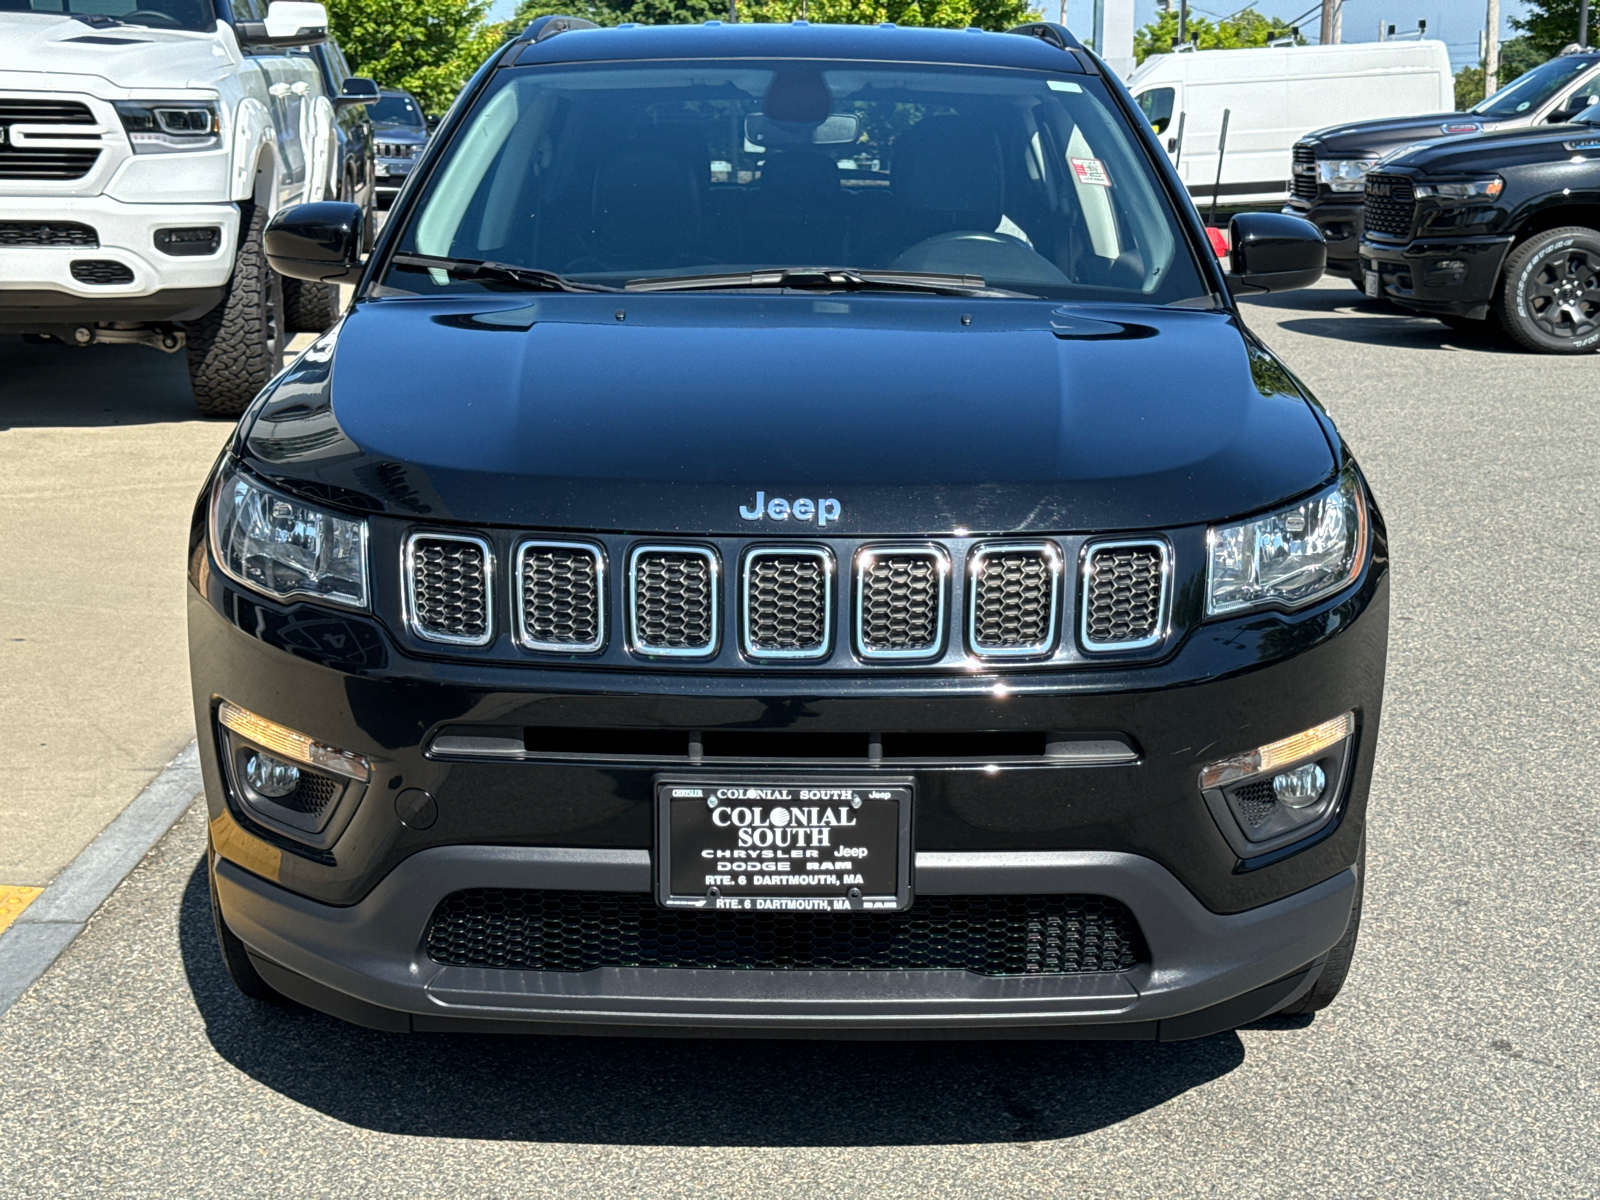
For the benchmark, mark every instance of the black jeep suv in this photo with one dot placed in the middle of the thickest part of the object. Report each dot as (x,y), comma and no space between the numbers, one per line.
(792,537)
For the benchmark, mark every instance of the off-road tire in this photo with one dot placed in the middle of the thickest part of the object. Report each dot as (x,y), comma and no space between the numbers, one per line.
(237,346)
(1550,292)
(309,307)
(1337,967)
(234,956)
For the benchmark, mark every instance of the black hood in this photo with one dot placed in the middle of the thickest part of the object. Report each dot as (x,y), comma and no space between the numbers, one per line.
(668,413)
(1503,148)
(1370,139)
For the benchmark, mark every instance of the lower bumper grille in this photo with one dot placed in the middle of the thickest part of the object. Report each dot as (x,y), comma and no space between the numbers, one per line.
(48,233)
(102,272)
(538,930)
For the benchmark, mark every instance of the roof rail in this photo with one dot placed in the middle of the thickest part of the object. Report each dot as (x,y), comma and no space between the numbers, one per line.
(541,28)
(1058,36)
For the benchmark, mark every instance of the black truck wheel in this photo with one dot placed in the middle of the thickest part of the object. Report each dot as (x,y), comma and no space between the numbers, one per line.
(1550,298)
(1334,971)
(237,346)
(310,307)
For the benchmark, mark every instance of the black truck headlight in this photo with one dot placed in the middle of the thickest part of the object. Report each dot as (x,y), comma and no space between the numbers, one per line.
(1291,557)
(170,127)
(284,547)
(1469,189)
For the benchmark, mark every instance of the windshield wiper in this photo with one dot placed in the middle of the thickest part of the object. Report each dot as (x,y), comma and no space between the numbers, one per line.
(830,279)
(531,278)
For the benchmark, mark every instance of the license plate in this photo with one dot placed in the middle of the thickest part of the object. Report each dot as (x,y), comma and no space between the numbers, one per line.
(1374,285)
(787,844)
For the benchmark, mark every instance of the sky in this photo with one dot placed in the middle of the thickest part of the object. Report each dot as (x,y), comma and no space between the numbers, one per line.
(1455,22)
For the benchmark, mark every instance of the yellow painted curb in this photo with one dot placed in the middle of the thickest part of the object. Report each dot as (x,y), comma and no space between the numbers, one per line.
(13,899)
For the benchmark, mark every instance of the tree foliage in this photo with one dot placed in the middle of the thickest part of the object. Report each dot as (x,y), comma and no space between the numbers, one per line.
(945,14)
(1552,25)
(1516,57)
(1245,30)
(427,47)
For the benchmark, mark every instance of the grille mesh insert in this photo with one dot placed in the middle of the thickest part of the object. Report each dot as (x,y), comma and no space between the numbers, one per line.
(1122,601)
(786,599)
(901,602)
(1389,206)
(534,930)
(673,605)
(1256,802)
(1013,594)
(47,233)
(450,594)
(1305,182)
(100,271)
(561,597)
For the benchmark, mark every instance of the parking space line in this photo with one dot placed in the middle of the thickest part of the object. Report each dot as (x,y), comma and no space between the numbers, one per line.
(13,899)
(45,924)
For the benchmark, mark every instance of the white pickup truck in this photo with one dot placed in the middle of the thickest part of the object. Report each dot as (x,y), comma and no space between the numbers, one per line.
(144,144)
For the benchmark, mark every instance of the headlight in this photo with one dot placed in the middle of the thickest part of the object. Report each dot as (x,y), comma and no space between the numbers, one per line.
(1472,189)
(285,548)
(1345,174)
(1291,557)
(170,127)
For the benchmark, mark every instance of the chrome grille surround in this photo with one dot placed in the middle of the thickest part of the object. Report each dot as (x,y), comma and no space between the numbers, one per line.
(584,609)
(1090,610)
(877,605)
(419,601)
(1028,558)
(817,644)
(655,558)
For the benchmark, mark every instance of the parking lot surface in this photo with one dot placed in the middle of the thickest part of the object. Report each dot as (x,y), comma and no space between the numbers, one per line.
(1461,1060)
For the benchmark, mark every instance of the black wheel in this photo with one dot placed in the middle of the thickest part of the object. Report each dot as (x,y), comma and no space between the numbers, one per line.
(1550,299)
(240,969)
(237,346)
(310,307)
(1337,967)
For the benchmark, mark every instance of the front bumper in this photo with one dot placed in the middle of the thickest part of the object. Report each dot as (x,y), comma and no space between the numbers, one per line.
(392,173)
(1447,276)
(1339,222)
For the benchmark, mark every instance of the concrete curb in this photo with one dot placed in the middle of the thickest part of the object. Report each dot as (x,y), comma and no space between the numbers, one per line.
(47,926)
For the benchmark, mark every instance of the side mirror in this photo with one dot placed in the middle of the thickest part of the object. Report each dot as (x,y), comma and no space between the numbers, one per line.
(290,24)
(1573,106)
(357,90)
(1273,252)
(321,242)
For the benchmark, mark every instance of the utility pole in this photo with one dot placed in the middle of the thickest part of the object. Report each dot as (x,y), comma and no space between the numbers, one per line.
(1183,22)
(1332,23)
(1491,51)
(1583,23)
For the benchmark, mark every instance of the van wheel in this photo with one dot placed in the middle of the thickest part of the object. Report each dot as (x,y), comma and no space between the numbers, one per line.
(1335,970)
(309,307)
(1550,298)
(238,346)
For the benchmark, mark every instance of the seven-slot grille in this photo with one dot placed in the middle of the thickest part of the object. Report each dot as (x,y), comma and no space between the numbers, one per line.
(397,149)
(1304,172)
(674,600)
(788,599)
(447,588)
(900,602)
(1124,595)
(561,597)
(48,233)
(1390,205)
(1012,606)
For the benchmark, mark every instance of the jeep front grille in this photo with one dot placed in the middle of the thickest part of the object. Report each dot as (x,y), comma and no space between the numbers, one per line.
(1124,595)
(900,601)
(447,588)
(1013,597)
(1304,172)
(673,600)
(396,149)
(48,233)
(788,602)
(561,597)
(1390,206)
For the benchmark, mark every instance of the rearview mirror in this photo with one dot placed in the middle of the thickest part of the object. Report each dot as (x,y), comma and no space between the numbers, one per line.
(762,131)
(321,242)
(357,90)
(1273,252)
(290,24)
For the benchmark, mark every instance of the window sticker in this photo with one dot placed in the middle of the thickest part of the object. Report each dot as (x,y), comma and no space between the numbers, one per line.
(1090,170)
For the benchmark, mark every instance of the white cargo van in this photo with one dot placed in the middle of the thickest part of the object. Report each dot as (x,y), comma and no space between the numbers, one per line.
(1274,96)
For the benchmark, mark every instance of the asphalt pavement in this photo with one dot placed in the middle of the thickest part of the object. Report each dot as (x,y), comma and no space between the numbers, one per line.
(1462,1060)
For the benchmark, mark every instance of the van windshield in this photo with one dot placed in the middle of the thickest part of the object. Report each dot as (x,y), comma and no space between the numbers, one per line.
(1531,89)
(196,16)
(616,173)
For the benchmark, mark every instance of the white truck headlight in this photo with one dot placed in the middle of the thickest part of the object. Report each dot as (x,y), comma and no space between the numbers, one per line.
(283,547)
(170,126)
(1345,174)
(1292,557)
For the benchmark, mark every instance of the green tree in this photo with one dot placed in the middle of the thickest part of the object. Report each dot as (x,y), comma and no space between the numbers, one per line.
(1551,25)
(427,47)
(1245,30)
(1517,56)
(946,14)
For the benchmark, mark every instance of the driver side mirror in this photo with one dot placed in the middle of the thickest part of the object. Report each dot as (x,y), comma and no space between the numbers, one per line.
(1573,106)
(290,24)
(357,90)
(321,242)
(1273,252)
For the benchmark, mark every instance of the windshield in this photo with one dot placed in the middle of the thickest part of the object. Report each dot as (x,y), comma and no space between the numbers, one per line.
(1530,90)
(194,15)
(609,173)
(395,110)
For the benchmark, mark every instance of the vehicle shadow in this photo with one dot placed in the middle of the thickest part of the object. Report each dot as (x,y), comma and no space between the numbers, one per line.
(683,1092)
(56,386)
(1347,316)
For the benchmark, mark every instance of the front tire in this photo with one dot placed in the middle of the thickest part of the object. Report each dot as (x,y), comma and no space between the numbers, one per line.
(234,956)
(310,307)
(1550,296)
(238,346)
(1337,968)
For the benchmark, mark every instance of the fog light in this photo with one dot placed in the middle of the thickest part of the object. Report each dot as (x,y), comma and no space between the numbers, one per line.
(1280,753)
(1300,787)
(272,777)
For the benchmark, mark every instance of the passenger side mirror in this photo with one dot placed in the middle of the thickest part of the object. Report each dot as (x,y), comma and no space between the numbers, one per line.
(290,24)
(321,242)
(1570,109)
(1273,252)
(357,90)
